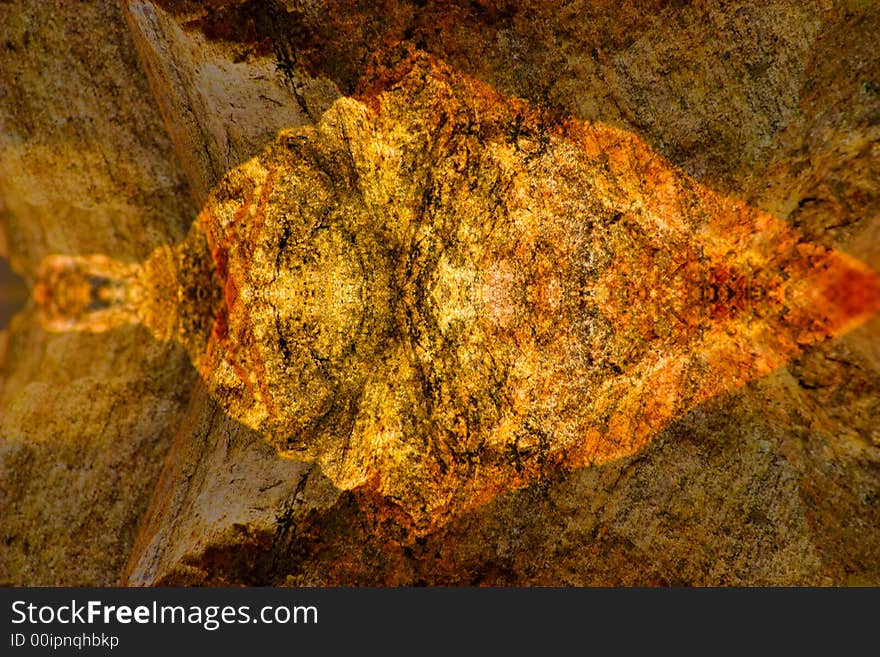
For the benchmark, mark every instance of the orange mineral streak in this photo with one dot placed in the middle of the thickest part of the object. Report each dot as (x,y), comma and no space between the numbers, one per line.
(233,326)
(757,294)
(84,293)
(532,300)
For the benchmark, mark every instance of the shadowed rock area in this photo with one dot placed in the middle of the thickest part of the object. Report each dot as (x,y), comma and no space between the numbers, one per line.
(13,293)
(118,464)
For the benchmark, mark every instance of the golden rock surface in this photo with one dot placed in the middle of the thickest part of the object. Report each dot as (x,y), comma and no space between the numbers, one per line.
(447,294)
(716,316)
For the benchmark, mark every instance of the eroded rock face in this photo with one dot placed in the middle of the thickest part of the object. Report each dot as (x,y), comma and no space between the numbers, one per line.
(442,296)
(774,482)
(448,292)
(85,167)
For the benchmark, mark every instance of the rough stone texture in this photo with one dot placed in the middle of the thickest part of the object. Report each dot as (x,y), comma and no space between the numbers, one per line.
(85,166)
(778,482)
(225,502)
(83,439)
(449,294)
(221,102)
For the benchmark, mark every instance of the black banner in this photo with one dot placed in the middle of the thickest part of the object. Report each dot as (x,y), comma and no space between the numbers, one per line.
(406,621)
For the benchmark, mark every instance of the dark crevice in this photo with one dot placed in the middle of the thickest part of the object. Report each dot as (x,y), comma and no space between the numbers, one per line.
(13,293)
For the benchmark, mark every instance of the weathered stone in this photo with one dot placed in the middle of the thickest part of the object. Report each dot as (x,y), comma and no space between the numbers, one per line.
(85,166)
(775,482)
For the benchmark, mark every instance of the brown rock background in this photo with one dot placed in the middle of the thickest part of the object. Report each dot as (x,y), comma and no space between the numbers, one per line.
(85,166)
(117,118)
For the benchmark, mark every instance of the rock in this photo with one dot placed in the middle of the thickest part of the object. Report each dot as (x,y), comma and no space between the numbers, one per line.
(221,102)
(775,482)
(85,167)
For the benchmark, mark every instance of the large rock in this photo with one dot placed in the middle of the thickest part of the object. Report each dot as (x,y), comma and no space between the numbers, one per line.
(774,483)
